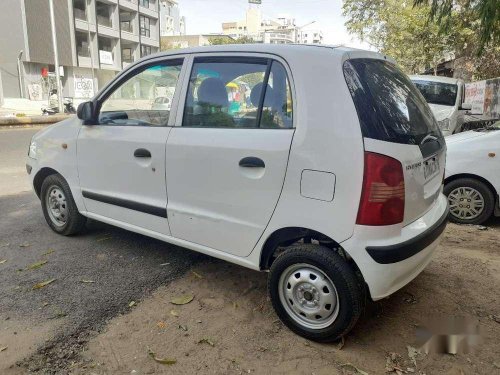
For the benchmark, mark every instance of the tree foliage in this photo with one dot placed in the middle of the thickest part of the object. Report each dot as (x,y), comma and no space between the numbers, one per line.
(221,40)
(419,41)
(486,11)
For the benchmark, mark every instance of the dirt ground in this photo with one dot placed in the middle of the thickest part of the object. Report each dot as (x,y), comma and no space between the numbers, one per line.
(230,327)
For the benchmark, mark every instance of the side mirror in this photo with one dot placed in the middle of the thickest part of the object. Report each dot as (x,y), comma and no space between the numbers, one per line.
(466,106)
(85,111)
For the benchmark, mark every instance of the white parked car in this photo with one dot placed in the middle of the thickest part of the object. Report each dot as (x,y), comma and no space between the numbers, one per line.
(472,181)
(329,177)
(445,97)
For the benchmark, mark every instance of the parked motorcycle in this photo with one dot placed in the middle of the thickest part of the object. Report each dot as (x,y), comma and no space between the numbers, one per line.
(68,108)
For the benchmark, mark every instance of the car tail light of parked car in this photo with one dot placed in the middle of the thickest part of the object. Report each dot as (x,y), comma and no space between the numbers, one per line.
(383,195)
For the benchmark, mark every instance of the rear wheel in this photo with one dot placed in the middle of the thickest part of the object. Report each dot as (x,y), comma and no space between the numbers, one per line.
(315,292)
(471,201)
(59,207)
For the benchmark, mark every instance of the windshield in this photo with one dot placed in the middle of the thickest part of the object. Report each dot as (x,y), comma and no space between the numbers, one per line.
(438,92)
(389,106)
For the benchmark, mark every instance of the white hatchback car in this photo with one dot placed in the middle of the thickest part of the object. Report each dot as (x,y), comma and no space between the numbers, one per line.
(472,181)
(328,173)
(445,97)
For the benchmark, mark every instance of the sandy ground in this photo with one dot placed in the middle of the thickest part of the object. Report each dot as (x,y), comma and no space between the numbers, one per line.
(230,326)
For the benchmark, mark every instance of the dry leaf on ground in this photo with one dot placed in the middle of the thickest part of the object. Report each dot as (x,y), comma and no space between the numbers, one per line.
(87,281)
(197,275)
(3,348)
(3,261)
(48,252)
(43,284)
(351,367)
(163,361)
(36,265)
(206,340)
(131,304)
(182,300)
(25,244)
(174,313)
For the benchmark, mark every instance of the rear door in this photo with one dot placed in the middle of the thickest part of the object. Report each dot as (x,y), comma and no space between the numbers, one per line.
(396,121)
(226,158)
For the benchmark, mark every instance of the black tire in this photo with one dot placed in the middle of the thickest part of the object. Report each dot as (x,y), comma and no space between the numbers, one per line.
(74,221)
(482,188)
(348,287)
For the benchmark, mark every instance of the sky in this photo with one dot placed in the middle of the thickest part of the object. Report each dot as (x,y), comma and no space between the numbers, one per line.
(206,16)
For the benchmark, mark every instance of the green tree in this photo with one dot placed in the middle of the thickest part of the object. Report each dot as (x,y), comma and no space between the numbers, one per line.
(486,11)
(218,40)
(396,29)
(418,41)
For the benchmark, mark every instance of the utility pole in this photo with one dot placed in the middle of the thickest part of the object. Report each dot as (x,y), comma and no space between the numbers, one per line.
(20,74)
(91,45)
(56,56)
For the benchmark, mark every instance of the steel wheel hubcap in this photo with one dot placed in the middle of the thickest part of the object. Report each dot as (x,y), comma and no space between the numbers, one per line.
(309,296)
(466,203)
(56,205)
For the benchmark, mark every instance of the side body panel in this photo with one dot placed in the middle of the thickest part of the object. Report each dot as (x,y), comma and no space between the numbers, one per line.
(327,139)
(469,153)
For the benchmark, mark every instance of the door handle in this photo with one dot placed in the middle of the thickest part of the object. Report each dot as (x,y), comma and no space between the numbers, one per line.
(142,153)
(252,162)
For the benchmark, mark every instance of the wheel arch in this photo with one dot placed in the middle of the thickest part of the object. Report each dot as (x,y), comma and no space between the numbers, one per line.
(286,236)
(40,176)
(473,176)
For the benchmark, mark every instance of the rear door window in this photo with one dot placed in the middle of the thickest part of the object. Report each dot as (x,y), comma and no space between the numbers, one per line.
(238,92)
(389,106)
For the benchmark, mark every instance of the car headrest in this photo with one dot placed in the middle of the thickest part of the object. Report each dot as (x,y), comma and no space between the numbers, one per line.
(213,91)
(255,95)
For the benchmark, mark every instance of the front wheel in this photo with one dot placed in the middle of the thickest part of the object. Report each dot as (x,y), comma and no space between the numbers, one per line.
(59,207)
(315,292)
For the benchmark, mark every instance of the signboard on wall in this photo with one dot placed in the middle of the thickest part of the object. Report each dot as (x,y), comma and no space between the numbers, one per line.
(255,1)
(474,94)
(35,91)
(106,57)
(84,87)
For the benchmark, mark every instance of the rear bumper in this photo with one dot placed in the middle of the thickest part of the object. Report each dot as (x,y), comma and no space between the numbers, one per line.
(396,253)
(392,256)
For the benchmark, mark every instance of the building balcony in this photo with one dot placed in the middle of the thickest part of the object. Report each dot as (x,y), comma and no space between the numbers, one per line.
(152,13)
(130,36)
(82,25)
(129,4)
(150,41)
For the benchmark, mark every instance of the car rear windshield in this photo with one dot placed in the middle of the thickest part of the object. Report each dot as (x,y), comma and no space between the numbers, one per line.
(389,106)
(437,92)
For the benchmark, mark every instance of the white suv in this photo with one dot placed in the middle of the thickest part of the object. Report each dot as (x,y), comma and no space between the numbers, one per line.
(321,165)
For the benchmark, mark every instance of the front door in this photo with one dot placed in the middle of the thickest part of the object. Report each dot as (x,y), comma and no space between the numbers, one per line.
(121,157)
(226,160)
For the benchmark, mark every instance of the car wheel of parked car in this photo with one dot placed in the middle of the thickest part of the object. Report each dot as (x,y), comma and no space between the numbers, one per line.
(471,201)
(315,292)
(59,207)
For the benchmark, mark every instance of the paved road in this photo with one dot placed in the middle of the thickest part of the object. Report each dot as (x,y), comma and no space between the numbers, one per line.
(97,274)
(14,145)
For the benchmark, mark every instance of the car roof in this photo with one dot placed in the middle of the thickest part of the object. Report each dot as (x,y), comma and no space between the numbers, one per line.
(278,49)
(434,79)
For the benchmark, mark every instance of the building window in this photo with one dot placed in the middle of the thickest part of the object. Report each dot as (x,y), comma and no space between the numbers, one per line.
(82,44)
(144,25)
(103,14)
(144,3)
(126,21)
(79,9)
(145,50)
(127,55)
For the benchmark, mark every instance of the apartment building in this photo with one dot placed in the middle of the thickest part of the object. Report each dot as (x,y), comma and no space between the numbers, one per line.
(313,36)
(95,40)
(171,22)
(280,30)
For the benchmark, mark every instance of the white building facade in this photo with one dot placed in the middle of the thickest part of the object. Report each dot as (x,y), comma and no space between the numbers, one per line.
(96,39)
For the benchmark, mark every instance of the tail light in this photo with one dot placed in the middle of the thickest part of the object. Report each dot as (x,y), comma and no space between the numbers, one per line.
(383,194)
